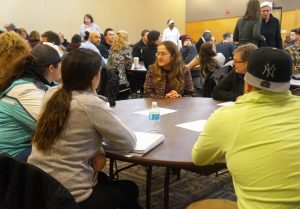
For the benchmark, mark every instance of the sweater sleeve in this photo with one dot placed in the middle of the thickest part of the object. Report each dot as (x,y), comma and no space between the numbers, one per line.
(278,38)
(256,31)
(110,127)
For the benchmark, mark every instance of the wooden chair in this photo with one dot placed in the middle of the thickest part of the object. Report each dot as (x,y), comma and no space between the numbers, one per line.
(213,204)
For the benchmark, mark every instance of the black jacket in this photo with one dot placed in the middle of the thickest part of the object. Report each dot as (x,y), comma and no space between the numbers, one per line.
(149,55)
(24,186)
(104,49)
(230,87)
(271,31)
(137,49)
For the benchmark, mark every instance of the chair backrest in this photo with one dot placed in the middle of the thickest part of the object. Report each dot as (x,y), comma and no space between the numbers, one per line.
(24,186)
(109,85)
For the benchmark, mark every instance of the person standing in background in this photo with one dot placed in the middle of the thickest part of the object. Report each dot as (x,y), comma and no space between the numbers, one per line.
(270,27)
(138,47)
(88,25)
(106,42)
(247,29)
(171,33)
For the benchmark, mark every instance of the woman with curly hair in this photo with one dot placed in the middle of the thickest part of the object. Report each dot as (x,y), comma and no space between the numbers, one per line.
(25,79)
(168,77)
(120,59)
(12,48)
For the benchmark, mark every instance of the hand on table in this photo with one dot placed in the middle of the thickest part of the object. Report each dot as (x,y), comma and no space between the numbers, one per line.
(173,95)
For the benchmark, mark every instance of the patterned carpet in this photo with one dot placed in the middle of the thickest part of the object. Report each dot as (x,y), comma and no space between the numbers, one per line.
(189,188)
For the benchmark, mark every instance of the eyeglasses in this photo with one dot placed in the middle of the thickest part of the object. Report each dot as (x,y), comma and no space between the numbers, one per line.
(162,54)
(237,62)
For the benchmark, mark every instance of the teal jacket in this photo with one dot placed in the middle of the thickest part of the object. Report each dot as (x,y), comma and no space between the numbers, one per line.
(20,106)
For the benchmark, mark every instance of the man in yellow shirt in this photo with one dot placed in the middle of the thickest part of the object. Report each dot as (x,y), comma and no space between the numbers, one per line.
(259,136)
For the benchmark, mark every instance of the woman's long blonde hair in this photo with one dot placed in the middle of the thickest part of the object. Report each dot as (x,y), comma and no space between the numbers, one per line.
(175,75)
(120,41)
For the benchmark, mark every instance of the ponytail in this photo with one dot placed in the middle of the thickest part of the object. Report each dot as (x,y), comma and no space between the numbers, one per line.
(52,120)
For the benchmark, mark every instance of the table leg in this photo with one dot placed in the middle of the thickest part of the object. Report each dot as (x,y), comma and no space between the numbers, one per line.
(148,186)
(111,169)
(166,192)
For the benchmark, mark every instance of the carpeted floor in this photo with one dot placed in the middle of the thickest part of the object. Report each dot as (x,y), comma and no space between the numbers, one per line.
(189,188)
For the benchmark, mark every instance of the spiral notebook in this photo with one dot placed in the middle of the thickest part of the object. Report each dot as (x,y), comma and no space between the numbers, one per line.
(144,144)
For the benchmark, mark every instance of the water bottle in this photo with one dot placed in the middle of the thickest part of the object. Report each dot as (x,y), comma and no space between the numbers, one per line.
(154,117)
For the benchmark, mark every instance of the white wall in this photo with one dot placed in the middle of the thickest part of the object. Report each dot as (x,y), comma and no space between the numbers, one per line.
(67,15)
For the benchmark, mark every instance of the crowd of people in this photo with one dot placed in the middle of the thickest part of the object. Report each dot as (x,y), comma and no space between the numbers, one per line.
(49,107)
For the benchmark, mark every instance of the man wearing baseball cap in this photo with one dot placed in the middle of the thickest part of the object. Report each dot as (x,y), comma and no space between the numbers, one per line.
(259,136)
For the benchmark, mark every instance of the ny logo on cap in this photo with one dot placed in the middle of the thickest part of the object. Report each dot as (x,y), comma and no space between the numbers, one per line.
(269,71)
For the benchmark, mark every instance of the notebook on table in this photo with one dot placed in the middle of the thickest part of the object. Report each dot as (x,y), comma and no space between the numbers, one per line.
(144,144)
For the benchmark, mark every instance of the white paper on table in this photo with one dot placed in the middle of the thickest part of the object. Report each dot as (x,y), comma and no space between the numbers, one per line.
(163,111)
(226,104)
(295,82)
(196,126)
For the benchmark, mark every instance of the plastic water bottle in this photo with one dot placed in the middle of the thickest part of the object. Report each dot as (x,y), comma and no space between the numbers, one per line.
(154,117)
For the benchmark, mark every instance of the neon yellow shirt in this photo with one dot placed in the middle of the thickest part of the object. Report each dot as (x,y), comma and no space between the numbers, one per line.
(260,139)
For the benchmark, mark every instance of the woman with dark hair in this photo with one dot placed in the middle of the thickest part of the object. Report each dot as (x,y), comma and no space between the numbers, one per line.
(34,38)
(88,25)
(149,52)
(247,29)
(208,63)
(168,77)
(22,89)
(70,131)
(75,43)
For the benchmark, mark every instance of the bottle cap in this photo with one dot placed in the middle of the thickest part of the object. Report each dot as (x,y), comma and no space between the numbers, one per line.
(154,104)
